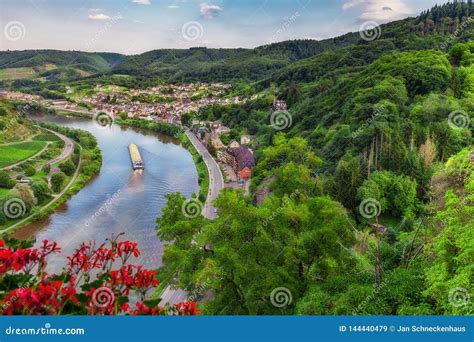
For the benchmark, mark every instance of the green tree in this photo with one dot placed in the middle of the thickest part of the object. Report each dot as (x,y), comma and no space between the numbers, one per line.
(6,181)
(68,167)
(396,194)
(284,241)
(24,192)
(30,171)
(46,168)
(450,272)
(57,181)
(40,190)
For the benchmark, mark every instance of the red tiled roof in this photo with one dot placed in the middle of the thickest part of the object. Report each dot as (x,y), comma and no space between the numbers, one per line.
(244,157)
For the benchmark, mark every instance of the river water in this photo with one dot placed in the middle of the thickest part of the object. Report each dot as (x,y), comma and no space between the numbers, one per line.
(119,199)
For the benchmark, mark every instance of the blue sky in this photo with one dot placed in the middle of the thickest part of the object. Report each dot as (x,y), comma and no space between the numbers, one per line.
(135,26)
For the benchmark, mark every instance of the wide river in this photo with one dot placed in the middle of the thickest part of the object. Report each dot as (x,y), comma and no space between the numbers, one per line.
(119,199)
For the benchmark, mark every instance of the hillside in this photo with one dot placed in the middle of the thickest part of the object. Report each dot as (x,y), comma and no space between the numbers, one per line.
(306,61)
(367,177)
(14,127)
(53,64)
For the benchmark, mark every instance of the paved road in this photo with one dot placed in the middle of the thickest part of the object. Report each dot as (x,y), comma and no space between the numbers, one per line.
(67,150)
(216,183)
(54,199)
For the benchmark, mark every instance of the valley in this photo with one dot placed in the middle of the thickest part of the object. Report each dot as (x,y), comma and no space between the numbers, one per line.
(337,173)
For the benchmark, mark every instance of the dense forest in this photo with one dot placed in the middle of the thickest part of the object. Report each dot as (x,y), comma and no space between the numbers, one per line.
(370,184)
(368,175)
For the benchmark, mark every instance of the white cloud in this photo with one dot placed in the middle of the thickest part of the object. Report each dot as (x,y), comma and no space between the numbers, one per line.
(99,16)
(95,9)
(209,11)
(173,6)
(141,2)
(379,10)
(351,4)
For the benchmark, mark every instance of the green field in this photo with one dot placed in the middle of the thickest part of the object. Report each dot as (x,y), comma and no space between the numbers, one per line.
(16,73)
(11,154)
(46,137)
(3,193)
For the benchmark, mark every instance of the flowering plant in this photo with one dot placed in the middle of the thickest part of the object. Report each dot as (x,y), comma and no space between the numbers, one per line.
(97,280)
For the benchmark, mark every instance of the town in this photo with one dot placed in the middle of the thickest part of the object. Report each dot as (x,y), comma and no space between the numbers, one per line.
(167,103)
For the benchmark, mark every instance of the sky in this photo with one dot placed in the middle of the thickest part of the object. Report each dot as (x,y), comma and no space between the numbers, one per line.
(135,26)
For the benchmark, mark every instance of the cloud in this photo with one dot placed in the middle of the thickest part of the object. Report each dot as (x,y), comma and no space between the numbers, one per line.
(209,11)
(99,16)
(379,10)
(141,2)
(351,4)
(95,9)
(173,6)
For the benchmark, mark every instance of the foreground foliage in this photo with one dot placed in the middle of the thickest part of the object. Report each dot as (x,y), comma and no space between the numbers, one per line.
(97,280)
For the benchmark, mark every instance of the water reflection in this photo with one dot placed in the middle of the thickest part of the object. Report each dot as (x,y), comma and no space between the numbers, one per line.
(119,199)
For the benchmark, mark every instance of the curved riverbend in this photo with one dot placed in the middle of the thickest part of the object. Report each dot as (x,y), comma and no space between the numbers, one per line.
(119,199)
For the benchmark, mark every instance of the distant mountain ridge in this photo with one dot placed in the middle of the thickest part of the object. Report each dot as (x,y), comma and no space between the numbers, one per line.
(278,61)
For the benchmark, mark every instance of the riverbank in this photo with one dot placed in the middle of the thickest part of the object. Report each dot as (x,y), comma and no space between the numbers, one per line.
(158,127)
(88,165)
(175,131)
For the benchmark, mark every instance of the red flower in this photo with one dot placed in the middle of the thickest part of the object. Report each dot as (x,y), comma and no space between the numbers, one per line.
(187,309)
(143,309)
(125,249)
(49,248)
(51,296)
(48,299)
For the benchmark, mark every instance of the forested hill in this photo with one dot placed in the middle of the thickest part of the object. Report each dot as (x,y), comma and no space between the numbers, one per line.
(365,183)
(33,58)
(295,60)
(428,31)
(55,65)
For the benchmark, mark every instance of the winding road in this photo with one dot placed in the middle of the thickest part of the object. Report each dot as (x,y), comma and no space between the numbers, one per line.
(216,181)
(216,184)
(67,150)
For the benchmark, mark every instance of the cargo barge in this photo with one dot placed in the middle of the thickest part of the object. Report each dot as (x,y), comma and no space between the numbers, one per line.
(137,162)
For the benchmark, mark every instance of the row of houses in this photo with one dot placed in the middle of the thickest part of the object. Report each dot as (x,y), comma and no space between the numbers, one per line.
(241,159)
(239,156)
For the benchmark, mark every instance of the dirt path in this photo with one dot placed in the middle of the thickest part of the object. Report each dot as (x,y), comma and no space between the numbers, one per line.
(11,166)
(55,198)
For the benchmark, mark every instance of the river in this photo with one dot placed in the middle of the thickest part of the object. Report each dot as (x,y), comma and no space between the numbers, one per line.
(118,199)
